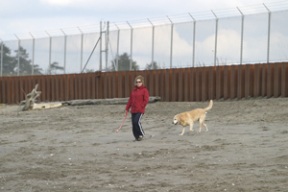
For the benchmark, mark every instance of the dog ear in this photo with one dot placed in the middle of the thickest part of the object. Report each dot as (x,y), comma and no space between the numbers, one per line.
(182,120)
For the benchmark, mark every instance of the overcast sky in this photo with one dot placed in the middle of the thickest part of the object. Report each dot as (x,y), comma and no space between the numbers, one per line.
(18,17)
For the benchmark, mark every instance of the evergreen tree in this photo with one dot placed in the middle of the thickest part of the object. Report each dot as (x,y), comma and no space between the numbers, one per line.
(10,63)
(152,65)
(54,67)
(25,64)
(124,63)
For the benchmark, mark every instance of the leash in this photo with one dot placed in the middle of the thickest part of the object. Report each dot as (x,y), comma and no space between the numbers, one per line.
(117,130)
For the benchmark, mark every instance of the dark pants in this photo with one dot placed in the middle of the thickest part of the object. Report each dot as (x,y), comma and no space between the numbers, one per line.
(136,125)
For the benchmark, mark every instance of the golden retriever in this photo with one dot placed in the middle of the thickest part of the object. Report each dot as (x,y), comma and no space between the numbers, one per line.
(189,117)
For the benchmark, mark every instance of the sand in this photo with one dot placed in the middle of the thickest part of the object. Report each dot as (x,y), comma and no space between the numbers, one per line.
(75,148)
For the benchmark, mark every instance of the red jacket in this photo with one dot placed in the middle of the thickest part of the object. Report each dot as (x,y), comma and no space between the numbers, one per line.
(138,99)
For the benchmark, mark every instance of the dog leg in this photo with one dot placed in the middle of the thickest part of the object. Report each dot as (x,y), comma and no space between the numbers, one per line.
(183,131)
(205,127)
(201,123)
(201,126)
(191,126)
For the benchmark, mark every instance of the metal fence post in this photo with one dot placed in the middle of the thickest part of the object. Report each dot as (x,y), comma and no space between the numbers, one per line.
(216,39)
(171,42)
(65,50)
(239,78)
(117,48)
(50,53)
(18,56)
(107,44)
(152,50)
(100,47)
(81,50)
(269,32)
(33,53)
(242,33)
(193,43)
(1,61)
(131,46)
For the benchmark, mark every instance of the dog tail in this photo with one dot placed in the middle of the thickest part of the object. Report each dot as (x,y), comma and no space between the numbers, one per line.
(209,106)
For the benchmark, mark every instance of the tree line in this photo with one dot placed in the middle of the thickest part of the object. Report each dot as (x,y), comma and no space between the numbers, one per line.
(10,63)
(124,64)
(19,63)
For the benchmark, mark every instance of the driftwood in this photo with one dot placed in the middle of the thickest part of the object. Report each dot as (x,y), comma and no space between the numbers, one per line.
(30,101)
(47,105)
(105,101)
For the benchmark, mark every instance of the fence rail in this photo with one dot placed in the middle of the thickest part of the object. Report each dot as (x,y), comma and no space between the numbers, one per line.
(184,84)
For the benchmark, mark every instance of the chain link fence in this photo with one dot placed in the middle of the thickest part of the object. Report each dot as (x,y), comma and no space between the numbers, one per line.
(226,37)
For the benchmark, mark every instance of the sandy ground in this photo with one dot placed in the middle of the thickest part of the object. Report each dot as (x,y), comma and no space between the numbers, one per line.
(74,148)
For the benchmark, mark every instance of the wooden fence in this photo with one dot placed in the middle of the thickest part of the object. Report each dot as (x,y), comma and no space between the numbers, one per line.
(184,84)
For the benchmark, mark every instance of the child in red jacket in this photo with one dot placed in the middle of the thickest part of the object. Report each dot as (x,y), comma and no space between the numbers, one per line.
(138,100)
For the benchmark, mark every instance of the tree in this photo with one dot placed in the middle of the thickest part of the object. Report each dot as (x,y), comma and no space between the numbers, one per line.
(10,63)
(152,65)
(89,70)
(54,67)
(25,64)
(124,63)
(37,69)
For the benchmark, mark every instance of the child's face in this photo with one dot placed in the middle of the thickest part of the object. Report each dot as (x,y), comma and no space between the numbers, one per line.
(138,82)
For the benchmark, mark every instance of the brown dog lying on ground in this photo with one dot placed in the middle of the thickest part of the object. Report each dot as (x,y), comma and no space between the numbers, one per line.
(189,117)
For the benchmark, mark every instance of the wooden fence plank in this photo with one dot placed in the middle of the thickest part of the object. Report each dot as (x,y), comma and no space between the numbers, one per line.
(269,80)
(174,78)
(277,80)
(284,80)
(192,86)
(264,80)
(226,83)
(247,81)
(197,85)
(167,85)
(212,84)
(256,81)
(204,84)
(185,85)
(218,82)
(1,90)
(233,82)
